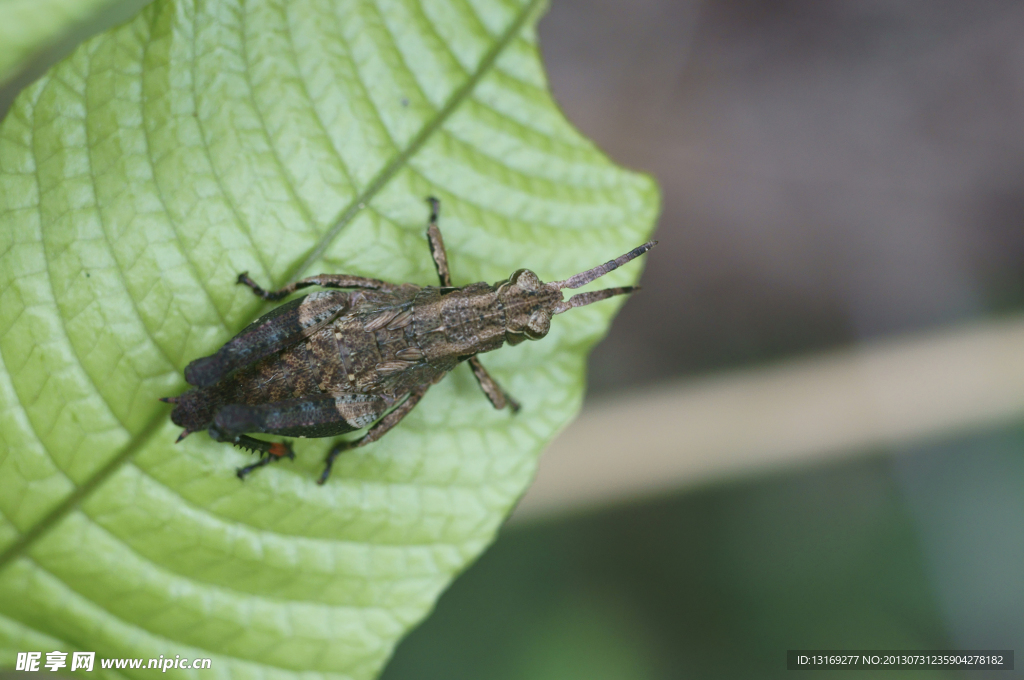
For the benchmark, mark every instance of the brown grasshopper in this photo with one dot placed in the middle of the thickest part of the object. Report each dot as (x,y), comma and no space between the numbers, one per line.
(335,361)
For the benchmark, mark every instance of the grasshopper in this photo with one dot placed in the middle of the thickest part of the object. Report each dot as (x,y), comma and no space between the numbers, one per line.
(336,361)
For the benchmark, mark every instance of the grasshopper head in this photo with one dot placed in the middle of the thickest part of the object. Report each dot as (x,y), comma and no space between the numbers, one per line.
(530,303)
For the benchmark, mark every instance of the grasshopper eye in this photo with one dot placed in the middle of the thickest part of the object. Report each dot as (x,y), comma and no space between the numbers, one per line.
(526,280)
(538,325)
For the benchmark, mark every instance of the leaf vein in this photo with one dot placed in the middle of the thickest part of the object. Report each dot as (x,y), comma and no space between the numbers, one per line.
(309,96)
(158,636)
(158,188)
(25,541)
(399,161)
(285,174)
(228,200)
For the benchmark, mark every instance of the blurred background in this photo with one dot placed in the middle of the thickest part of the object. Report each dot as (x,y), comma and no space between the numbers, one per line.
(843,182)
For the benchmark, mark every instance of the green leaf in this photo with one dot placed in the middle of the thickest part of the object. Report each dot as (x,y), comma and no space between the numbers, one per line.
(282,137)
(29,27)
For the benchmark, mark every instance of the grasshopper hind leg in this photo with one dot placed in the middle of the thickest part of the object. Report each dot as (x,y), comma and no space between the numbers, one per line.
(322,416)
(375,432)
(267,451)
(265,458)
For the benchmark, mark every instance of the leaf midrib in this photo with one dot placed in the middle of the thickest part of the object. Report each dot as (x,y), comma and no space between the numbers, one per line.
(24,542)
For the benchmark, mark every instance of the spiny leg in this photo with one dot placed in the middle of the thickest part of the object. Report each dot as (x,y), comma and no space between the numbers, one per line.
(437,250)
(322,416)
(322,280)
(498,396)
(243,472)
(375,432)
(268,451)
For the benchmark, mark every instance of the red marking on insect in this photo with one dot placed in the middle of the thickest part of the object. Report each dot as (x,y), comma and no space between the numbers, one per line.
(281,450)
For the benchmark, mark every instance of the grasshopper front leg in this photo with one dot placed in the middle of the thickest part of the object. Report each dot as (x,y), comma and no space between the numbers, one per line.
(498,396)
(436,243)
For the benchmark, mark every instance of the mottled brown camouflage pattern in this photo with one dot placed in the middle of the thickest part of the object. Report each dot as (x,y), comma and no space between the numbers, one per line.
(335,361)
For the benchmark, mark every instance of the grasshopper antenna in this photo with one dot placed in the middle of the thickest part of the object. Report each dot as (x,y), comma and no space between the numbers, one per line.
(584,299)
(583,278)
